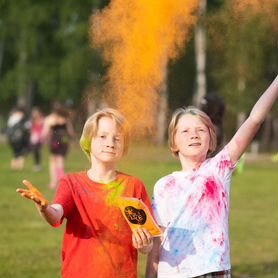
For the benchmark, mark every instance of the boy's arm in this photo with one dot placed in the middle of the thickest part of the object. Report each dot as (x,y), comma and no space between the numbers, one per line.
(245,134)
(51,213)
(142,240)
(153,259)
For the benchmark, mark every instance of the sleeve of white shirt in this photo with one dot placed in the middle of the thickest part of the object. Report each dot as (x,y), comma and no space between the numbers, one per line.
(222,165)
(159,204)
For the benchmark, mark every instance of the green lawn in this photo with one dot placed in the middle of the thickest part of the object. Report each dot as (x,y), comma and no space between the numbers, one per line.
(29,248)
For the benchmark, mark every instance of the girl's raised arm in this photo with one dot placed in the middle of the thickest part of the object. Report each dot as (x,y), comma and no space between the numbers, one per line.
(245,134)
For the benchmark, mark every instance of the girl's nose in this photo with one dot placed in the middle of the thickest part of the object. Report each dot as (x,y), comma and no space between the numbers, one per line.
(194,134)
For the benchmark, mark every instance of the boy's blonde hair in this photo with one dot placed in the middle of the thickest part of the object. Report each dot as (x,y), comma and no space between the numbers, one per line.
(202,116)
(91,127)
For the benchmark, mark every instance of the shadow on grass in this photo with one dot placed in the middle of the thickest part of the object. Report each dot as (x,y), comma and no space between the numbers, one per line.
(264,270)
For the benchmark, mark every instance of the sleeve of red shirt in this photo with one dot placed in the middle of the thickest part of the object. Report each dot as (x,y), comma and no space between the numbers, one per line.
(141,193)
(64,196)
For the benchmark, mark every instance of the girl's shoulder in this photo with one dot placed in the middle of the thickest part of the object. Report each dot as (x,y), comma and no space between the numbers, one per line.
(222,153)
(220,162)
(166,179)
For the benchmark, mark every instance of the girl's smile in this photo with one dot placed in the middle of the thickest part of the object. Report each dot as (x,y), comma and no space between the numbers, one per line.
(192,137)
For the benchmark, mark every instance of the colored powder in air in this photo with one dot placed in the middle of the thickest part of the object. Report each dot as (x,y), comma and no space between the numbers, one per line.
(138,39)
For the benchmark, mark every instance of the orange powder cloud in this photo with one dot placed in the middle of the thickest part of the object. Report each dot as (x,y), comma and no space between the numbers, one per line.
(138,38)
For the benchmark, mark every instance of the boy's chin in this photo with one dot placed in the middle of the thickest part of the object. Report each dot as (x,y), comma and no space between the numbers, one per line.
(110,160)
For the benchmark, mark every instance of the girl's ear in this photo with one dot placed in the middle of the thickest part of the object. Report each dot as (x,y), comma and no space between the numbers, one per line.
(174,149)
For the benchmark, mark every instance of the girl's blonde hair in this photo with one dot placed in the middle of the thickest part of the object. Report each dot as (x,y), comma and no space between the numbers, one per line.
(202,116)
(91,127)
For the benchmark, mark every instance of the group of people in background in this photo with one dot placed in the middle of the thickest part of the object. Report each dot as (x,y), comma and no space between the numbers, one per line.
(26,134)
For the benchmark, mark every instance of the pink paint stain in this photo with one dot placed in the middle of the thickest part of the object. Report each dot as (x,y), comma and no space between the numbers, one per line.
(170,186)
(225,164)
(222,239)
(210,201)
(210,205)
(193,178)
(210,189)
(170,183)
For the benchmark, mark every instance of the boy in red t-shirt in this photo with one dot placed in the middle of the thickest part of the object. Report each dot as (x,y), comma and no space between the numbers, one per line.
(97,241)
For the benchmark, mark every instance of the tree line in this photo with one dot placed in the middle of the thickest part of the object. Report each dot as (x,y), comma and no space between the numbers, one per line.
(45,55)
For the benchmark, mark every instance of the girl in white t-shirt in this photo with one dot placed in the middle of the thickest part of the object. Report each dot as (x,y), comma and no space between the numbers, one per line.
(192,205)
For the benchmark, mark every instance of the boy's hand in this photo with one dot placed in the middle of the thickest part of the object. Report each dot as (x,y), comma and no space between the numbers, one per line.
(142,240)
(32,193)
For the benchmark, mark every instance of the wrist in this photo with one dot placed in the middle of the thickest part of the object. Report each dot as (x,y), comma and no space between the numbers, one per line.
(41,208)
(146,249)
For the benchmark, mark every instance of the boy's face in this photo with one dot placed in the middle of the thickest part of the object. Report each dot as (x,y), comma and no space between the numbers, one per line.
(108,144)
(192,137)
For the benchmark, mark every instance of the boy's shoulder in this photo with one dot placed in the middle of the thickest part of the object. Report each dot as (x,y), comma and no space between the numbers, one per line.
(74,176)
(122,175)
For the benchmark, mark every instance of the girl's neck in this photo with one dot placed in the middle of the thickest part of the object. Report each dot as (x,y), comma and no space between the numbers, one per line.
(102,173)
(191,163)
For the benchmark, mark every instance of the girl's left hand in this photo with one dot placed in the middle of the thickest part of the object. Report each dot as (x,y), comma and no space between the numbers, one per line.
(142,240)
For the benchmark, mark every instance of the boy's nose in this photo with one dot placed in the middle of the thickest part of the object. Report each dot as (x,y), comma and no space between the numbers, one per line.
(110,143)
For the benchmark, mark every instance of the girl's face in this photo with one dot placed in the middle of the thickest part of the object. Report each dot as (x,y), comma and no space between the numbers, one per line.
(108,144)
(192,137)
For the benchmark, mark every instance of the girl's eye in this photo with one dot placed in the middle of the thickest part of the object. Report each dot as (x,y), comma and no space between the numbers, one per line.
(102,136)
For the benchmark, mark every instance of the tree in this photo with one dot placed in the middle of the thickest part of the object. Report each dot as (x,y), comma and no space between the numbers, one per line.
(200,55)
(44,51)
(243,48)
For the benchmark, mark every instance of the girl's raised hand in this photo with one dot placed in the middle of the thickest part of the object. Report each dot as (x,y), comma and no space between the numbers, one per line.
(32,193)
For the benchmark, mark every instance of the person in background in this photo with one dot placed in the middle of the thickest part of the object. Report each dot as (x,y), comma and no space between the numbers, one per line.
(18,133)
(98,241)
(57,131)
(36,138)
(213,105)
(192,205)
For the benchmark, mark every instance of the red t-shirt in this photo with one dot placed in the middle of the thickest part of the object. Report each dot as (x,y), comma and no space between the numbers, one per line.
(97,240)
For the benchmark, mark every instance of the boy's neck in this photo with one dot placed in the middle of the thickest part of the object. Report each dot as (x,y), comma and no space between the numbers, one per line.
(102,173)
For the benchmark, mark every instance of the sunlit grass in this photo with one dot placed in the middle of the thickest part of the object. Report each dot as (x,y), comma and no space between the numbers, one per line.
(30,248)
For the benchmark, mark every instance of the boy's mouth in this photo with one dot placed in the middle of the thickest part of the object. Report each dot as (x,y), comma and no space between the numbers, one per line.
(108,152)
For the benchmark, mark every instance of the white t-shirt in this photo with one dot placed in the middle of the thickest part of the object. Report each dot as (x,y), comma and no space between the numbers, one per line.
(193,207)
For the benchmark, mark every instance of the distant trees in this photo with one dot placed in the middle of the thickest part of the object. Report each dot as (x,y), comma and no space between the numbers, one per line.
(44,51)
(45,55)
(243,53)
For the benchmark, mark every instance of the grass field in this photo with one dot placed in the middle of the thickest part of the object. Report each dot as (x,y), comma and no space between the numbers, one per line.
(29,248)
